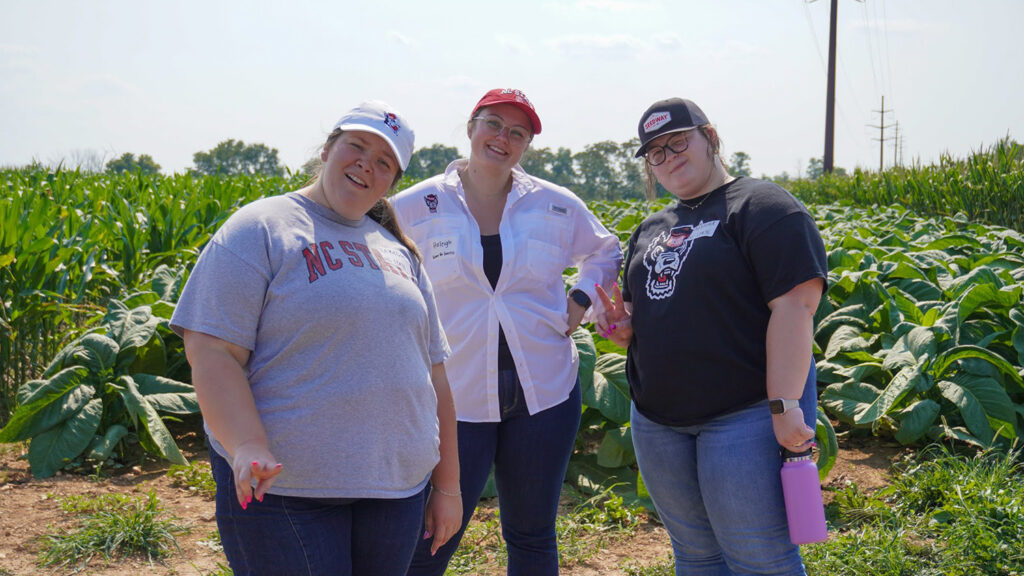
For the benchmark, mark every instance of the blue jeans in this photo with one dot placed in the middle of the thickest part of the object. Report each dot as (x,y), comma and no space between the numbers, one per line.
(530,455)
(287,535)
(716,487)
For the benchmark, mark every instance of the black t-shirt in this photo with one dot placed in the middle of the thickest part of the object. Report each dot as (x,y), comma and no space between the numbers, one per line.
(699,281)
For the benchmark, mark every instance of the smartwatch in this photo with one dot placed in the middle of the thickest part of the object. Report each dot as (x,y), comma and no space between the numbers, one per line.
(580,297)
(782,405)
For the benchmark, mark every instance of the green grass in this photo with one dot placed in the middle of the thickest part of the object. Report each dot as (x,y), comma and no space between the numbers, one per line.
(943,513)
(135,528)
(196,477)
(665,567)
(582,532)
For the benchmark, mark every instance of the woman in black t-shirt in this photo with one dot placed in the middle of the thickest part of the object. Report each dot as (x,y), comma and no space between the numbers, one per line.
(720,290)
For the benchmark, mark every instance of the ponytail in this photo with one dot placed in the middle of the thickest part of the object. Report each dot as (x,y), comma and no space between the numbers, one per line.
(384,214)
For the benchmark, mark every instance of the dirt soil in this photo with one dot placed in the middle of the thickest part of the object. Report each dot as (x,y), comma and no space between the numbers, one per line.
(29,509)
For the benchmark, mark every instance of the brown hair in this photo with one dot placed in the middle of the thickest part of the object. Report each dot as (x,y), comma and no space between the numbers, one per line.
(714,146)
(381,212)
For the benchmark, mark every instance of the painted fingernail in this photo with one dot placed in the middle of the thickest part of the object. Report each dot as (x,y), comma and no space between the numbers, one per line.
(245,505)
(260,498)
(426,535)
(612,327)
(278,465)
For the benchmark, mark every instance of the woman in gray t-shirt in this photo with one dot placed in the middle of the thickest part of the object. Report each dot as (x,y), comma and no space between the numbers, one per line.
(316,355)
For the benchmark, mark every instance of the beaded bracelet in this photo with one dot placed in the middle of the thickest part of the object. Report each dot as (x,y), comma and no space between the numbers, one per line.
(457,494)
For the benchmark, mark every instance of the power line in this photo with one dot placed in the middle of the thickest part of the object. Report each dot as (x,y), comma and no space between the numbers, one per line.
(881,139)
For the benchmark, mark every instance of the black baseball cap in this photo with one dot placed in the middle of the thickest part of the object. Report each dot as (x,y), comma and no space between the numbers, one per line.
(665,116)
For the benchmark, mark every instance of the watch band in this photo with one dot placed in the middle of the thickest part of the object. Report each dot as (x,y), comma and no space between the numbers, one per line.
(782,405)
(580,297)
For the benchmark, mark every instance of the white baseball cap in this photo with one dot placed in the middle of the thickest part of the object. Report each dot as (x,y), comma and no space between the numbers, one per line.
(383,120)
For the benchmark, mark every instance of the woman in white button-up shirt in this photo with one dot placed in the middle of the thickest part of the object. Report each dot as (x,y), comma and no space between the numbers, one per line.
(495,241)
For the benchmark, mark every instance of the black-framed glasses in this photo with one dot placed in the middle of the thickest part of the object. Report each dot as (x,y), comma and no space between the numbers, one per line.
(657,154)
(516,134)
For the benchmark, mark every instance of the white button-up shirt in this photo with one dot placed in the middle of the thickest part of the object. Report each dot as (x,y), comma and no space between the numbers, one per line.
(544,229)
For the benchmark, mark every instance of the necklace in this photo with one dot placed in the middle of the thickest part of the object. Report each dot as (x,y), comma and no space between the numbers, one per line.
(706,196)
(697,205)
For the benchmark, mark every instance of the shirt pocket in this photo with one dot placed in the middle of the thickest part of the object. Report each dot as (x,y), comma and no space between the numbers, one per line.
(440,246)
(544,261)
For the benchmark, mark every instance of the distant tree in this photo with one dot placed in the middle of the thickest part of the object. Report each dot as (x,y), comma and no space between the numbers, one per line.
(235,157)
(431,160)
(816,168)
(128,163)
(554,166)
(83,160)
(598,179)
(739,164)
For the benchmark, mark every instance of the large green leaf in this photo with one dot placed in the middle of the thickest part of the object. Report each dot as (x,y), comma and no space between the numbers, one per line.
(51,450)
(902,383)
(153,434)
(846,339)
(51,392)
(96,352)
(828,445)
(987,295)
(56,412)
(150,358)
(913,347)
(166,395)
(847,401)
(972,394)
(131,328)
(585,349)
(611,390)
(944,362)
(970,408)
(916,420)
(103,446)
(590,477)
(616,449)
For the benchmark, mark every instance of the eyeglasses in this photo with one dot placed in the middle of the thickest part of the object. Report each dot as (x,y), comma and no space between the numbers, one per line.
(656,154)
(516,134)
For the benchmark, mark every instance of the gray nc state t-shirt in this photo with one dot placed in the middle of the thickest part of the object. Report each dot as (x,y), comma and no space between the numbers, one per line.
(343,329)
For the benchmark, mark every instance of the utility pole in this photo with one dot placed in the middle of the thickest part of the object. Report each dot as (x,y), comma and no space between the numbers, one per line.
(830,96)
(895,143)
(881,139)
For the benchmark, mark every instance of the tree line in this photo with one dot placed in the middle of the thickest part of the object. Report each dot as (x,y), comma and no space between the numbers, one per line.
(601,171)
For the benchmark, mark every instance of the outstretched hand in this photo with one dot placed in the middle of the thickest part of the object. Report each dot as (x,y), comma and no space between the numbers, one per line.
(615,321)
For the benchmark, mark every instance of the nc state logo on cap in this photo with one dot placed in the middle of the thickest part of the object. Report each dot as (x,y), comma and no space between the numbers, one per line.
(657,120)
(391,121)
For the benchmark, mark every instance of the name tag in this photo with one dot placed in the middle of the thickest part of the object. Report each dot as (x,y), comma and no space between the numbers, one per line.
(442,247)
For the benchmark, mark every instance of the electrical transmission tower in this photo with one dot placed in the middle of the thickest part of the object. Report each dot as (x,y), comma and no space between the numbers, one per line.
(881,139)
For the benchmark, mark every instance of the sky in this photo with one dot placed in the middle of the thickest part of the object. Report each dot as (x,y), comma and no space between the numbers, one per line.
(81,79)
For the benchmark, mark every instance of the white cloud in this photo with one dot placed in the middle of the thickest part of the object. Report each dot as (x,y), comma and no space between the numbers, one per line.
(400,38)
(602,46)
(515,45)
(15,57)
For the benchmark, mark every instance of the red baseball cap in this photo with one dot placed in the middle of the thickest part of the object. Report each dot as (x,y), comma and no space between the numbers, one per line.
(513,97)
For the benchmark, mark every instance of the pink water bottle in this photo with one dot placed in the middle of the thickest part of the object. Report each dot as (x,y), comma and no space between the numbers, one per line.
(801,490)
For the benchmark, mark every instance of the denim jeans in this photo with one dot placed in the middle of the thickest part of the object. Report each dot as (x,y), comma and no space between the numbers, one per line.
(287,535)
(530,455)
(717,488)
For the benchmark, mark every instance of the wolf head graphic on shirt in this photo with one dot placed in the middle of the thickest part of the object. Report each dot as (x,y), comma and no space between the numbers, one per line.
(666,254)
